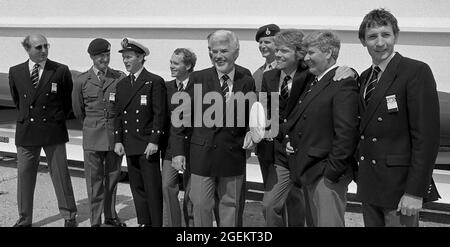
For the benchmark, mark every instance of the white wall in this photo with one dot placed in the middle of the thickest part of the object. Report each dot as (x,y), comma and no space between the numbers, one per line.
(164,25)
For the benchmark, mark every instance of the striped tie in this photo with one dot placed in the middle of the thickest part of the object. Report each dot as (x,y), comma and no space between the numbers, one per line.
(180,87)
(284,88)
(224,87)
(35,75)
(132,79)
(372,83)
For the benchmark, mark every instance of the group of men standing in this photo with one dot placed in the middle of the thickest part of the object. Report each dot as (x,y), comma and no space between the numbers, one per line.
(380,129)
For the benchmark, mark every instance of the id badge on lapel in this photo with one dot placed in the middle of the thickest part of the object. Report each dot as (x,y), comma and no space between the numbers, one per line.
(54,87)
(391,103)
(112,97)
(143,100)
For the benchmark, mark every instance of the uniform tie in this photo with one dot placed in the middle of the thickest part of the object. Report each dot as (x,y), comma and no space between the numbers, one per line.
(132,79)
(35,75)
(284,93)
(101,75)
(225,87)
(372,83)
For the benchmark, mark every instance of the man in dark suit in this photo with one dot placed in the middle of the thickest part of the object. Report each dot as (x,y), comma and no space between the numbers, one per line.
(323,133)
(141,102)
(182,65)
(41,90)
(399,128)
(217,154)
(93,101)
(283,203)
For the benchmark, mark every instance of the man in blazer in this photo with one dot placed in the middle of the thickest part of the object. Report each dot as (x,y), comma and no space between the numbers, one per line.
(217,156)
(323,133)
(141,103)
(399,128)
(182,65)
(41,90)
(93,100)
(287,81)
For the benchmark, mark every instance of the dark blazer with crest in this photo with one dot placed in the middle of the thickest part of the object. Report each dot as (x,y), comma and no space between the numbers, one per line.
(323,130)
(42,112)
(93,102)
(398,149)
(275,151)
(214,151)
(141,112)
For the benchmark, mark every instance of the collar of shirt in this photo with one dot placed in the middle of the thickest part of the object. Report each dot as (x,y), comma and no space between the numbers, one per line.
(97,70)
(270,66)
(325,72)
(185,82)
(136,75)
(41,66)
(384,64)
(230,75)
(282,75)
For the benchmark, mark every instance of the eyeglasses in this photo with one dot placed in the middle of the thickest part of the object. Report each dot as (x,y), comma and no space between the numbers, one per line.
(39,47)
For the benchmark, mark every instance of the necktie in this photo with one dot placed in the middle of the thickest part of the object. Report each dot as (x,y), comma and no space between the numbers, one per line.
(101,75)
(35,75)
(225,88)
(372,82)
(132,79)
(284,93)
(310,87)
(180,86)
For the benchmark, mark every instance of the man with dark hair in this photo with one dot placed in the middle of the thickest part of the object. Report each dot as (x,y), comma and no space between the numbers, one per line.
(182,65)
(93,101)
(399,128)
(141,103)
(41,90)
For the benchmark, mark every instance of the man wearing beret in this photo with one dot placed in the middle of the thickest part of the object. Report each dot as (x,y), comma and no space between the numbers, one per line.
(93,100)
(41,90)
(141,103)
(264,37)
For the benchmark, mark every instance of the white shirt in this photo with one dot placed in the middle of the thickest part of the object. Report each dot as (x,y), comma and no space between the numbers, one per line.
(325,72)
(41,67)
(185,82)
(282,75)
(136,75)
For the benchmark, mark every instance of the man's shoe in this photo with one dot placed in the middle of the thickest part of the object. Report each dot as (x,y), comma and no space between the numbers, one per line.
(23,225)
(70,223)
(115,222)
(144,225)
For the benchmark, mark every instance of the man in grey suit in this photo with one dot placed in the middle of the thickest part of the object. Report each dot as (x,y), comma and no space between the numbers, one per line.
(41,90)
(93,100)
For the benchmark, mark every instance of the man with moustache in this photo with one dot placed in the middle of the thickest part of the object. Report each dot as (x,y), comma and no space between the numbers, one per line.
(399,128)
(182,64)
(41,90)
(93,101)
(217,156)
(141,103)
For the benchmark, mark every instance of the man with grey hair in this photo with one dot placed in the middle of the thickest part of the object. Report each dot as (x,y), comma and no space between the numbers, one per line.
(322,132)
(41,90)
(217,154)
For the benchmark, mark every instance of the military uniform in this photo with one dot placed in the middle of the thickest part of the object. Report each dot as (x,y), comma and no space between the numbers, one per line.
(93,101)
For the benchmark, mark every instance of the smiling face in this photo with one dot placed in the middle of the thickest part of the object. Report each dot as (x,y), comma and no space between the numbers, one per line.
(38,51)
(267,47)
(223,54)
(287,58)
(380,42)
(178,68)
(317,60)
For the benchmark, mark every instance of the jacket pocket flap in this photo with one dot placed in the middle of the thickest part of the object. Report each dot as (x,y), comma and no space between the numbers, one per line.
(197,140)
(398,160)
(318,152)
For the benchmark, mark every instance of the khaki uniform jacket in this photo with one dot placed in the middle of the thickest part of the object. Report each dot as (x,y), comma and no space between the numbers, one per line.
(93,102)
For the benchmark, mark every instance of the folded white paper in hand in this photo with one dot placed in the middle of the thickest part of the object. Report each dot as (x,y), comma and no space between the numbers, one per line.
(257,122)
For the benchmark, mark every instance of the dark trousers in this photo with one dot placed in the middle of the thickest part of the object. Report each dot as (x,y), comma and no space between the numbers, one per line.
(102,173)
(27,167)
(170,194)
(146,188)
(375,216)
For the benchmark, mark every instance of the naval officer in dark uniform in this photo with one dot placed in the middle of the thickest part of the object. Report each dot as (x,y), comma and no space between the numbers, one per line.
(93,100)
(141,103)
